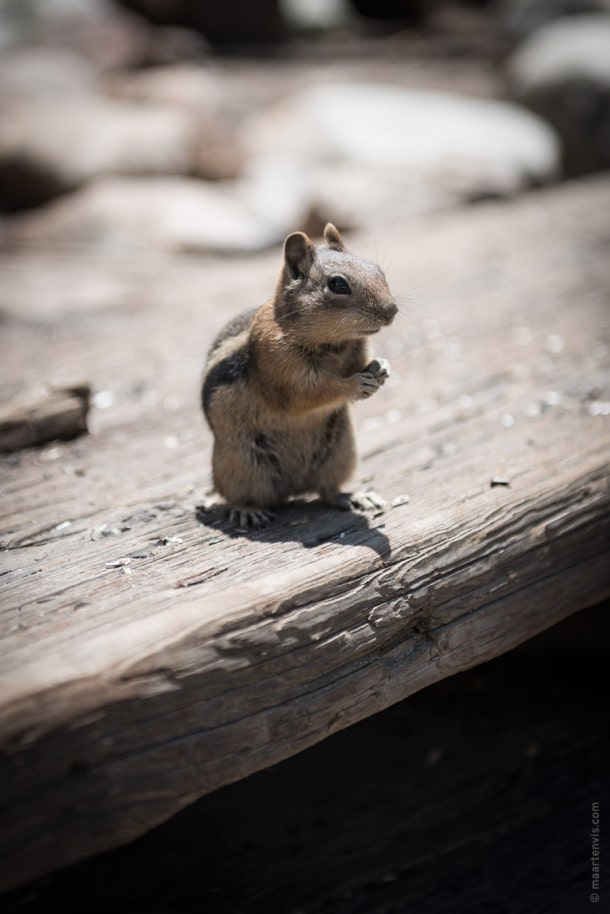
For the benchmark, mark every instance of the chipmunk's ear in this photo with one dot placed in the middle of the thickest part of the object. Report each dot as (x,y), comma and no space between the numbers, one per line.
(299,254)
(332,238)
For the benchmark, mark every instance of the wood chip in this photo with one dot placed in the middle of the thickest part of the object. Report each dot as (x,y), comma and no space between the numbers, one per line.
(118,563)
(34,420)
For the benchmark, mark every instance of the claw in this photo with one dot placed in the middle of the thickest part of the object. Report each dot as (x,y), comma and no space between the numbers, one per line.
(246,519)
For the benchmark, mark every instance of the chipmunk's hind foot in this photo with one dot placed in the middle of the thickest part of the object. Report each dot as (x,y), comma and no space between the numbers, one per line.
(367,500)
(247,519)
(364,500)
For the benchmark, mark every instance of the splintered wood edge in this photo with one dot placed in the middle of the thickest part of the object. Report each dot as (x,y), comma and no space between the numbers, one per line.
(210,689)
(372,676)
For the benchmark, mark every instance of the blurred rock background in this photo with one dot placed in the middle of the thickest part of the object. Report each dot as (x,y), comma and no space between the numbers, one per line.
(189,126)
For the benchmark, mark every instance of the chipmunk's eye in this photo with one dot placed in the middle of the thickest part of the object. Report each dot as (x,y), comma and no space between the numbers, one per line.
(339,286)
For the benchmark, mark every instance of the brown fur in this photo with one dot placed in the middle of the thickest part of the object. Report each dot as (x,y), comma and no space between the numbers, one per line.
(278,381)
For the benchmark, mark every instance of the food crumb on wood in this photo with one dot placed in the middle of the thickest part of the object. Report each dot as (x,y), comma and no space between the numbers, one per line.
(499,481)
(399,500)
(108,531)
(63,525)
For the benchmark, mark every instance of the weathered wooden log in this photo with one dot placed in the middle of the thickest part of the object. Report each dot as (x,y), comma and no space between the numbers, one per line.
(151,655)
(56,415)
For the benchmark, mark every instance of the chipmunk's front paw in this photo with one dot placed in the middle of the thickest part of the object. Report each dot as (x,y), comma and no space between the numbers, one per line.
(250,518)
(380,369)
(371,378)
(366,384)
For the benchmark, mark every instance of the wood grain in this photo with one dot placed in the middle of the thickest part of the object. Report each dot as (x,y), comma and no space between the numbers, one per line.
(150,655)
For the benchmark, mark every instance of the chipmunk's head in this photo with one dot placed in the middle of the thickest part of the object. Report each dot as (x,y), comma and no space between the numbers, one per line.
(326,295)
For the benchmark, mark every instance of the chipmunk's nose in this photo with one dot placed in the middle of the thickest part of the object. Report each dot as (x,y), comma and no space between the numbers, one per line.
(389,312)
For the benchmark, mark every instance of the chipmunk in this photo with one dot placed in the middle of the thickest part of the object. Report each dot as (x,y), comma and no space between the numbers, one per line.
(279,381)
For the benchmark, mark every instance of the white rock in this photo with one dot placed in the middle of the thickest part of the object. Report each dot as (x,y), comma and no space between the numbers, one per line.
(388,126)
(370,149)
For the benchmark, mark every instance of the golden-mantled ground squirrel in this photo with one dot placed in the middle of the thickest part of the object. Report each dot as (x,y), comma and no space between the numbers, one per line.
(279,381)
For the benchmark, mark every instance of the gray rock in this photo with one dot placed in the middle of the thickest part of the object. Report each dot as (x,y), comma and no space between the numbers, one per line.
(374,153)
(166,214)
(13,26)
(186,85)
(48,147)
(194,89)
(99,29)
(562,72)
(29,72)
(520,17)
